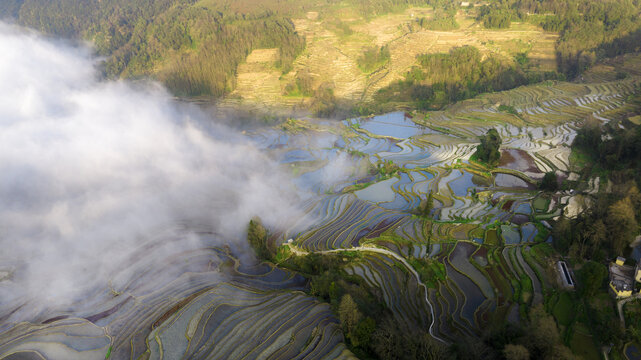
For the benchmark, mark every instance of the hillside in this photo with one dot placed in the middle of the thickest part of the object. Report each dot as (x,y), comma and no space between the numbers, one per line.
(329,55)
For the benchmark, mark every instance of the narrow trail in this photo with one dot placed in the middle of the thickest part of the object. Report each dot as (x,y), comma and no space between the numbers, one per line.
(622,302)
(300,252)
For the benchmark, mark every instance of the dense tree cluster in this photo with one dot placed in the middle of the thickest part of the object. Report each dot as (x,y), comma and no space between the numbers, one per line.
(370,329)
(494,17)
(324,102)
(444,78)
(442,20)
(592,278)
(488,150)
(303,85)
(535,338)
(428,206)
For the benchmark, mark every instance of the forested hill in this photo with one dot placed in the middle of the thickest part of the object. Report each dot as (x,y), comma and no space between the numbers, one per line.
(193,48)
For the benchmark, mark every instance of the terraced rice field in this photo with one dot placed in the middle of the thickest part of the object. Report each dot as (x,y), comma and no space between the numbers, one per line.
(483,222)
(203,303)
(215,301)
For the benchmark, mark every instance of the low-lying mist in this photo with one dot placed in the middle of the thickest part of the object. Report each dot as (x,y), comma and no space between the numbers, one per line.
(91,169)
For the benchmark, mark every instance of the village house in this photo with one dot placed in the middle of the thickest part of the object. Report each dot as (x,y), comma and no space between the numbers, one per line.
(623,277)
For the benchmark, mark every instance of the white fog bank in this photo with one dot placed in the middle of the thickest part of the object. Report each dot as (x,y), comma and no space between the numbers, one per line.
(89,169)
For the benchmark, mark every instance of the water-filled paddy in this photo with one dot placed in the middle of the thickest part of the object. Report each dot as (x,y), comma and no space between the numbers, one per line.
(395,124)
(511,181)
(379,192)
(510,235)
(296,156)
(462,184)
(516,159)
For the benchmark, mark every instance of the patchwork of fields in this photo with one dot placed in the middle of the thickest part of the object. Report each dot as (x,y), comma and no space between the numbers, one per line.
(333,50)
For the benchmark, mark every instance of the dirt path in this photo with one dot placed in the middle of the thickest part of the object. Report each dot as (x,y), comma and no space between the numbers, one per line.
(402,260)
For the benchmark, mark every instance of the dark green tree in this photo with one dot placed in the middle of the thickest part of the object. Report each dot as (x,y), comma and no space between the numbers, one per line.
(591,278)
(488,150)
(549,182)
(429,204)
(362,334)
(258,238)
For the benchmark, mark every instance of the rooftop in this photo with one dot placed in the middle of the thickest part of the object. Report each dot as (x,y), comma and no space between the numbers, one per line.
(622,277)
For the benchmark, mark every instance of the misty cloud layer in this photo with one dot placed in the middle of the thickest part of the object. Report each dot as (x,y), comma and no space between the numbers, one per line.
(90,169)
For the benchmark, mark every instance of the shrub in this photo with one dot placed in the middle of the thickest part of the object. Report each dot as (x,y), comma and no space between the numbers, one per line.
(549,182)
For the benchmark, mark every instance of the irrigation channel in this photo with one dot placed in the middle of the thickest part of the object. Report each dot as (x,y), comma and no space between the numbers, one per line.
(360,183)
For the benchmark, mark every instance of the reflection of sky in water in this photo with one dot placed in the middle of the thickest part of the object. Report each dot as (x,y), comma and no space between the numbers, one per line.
(297,155)
(405,153)
(462,184)
(269,138)
(636,253)
(393,124)
(333,176)
(451,176)
(520,160)
(372,146)
(404,184)
(632,352)
(317,140)
(524,208)
(399,203)
(310,180)
(510,235)
(422,181)
(381,191)
(321,146)
(528,231)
